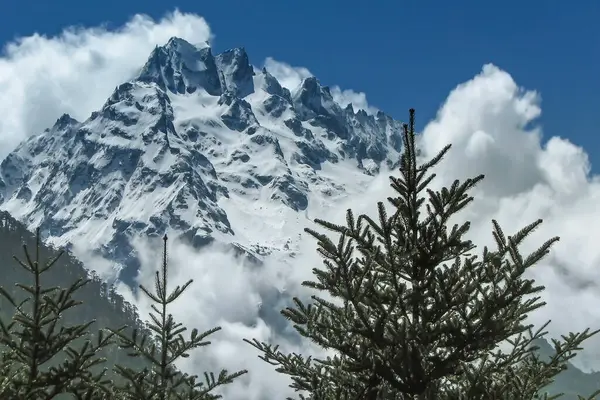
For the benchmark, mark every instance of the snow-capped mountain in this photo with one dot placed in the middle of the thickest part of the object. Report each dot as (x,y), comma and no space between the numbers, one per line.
(206,146)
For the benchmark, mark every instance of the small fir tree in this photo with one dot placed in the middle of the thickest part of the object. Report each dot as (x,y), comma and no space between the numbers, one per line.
(418,316)
(163,381)
(40,359)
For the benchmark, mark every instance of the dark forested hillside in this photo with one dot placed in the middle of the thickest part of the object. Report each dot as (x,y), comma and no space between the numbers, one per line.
(100,301)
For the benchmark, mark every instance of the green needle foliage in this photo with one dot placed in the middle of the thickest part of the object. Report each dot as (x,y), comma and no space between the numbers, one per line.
(163,381)
(417,316)
(43,358)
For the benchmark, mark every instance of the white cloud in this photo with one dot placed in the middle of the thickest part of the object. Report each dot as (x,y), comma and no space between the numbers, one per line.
(227,292)
(43,77)
(357,99)
(290,77)
(487,119)
(490,122)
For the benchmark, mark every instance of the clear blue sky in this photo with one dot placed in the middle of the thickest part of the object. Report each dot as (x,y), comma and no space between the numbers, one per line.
(424,48)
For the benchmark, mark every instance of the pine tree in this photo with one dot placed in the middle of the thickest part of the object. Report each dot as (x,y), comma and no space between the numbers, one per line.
(42,358)
(417,316)
(163,381)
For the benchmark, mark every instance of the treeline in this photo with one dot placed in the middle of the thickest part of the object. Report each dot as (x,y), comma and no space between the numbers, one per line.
(417,315)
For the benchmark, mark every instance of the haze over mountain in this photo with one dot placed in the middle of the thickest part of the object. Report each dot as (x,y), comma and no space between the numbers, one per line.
(238,160)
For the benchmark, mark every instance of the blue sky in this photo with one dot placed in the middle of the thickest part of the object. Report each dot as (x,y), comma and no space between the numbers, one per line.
(400,53)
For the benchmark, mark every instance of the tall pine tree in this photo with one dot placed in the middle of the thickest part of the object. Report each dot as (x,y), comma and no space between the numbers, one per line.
(417,316)
(163,381)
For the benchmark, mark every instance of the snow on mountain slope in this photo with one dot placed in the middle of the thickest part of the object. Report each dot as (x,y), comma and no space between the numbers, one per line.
(206,146)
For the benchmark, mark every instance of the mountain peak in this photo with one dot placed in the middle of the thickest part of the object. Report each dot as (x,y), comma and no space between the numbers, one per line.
(271,85)
(236,73)
(310,84)
(181,67)
(181,45)
(63,121)
(314,100)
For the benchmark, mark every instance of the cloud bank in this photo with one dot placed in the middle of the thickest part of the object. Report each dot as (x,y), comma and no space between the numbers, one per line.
(490,121)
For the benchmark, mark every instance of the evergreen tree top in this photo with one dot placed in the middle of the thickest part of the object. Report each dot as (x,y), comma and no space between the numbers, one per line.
(416,314)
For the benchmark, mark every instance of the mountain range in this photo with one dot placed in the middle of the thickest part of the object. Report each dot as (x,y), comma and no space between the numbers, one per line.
(197,144)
